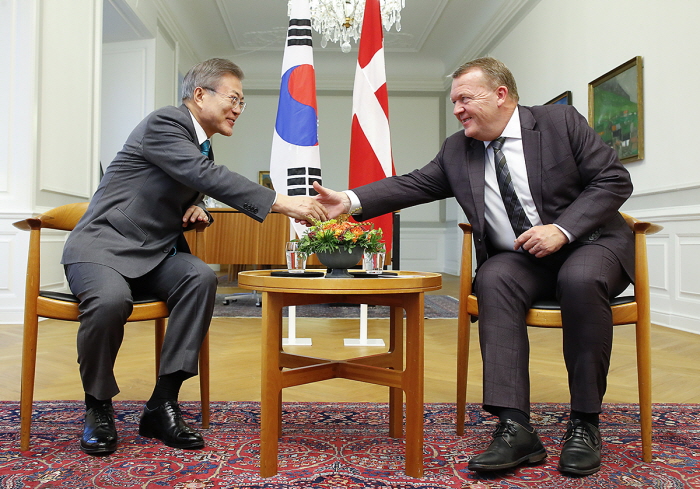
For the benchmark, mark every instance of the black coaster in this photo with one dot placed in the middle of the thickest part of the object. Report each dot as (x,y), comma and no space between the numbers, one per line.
(280,273)
(372,275)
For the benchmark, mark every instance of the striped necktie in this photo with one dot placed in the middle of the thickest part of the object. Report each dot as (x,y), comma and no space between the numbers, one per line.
(515,211)
(206,146)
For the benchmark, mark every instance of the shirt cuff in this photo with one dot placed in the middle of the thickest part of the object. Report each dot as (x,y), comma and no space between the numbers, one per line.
(355,206)
(568,235)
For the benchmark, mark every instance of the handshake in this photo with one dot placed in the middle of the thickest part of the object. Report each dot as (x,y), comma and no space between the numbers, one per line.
(328,204)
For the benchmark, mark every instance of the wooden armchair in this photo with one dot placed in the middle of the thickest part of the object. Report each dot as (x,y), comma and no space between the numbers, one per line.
(57,305)
(625,310)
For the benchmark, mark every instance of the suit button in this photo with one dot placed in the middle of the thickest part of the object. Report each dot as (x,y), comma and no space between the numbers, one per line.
(255,210)
(166,250)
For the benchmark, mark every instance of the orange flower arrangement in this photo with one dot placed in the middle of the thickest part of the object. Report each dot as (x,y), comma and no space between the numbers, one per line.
(341,234)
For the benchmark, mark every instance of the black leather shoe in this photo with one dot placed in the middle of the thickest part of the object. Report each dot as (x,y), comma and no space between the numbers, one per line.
(166,424)
(580,454)
(99,434)
(512,445)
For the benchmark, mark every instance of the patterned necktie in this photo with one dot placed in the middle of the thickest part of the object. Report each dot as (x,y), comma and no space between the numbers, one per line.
(206,146)
(515,211)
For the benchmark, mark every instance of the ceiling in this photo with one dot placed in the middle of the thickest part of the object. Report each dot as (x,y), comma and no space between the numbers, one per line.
(436,37)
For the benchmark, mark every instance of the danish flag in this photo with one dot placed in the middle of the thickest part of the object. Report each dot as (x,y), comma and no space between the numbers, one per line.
(370,139)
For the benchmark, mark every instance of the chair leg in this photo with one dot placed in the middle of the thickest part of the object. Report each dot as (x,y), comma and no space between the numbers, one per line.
(204,381)
(160,337)
(31,326)
(462,366)
(643,331)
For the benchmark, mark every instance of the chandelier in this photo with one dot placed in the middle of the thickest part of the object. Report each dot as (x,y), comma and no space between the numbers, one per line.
(341,20)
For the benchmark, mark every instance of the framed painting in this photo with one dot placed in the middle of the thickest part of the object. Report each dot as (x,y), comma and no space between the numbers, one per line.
(264,179)
(563,99)
(616,109)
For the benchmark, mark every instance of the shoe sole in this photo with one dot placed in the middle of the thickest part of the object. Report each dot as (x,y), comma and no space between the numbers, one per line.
(565,470)
(532,458)
(185,446)
(97,451)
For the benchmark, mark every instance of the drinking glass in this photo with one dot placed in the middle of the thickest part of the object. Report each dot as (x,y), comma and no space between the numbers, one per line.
(296,261)
(373,262)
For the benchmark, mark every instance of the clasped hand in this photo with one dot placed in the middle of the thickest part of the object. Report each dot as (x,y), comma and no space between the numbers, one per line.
(541,240)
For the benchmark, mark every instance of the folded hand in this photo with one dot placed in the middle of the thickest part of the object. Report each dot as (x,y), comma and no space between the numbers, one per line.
(193,214)
(541,240)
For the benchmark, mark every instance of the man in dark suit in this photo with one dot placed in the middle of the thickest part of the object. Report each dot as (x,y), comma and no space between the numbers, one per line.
(547,227)
(131,239)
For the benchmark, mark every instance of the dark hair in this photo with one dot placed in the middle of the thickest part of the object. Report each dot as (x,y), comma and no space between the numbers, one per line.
(207,74)
(495,72)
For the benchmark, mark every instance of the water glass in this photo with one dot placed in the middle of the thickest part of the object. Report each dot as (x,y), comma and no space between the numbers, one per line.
(373,262)
(296,261)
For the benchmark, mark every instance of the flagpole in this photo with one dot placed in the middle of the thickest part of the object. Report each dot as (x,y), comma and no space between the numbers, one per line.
(370,129)
(295,161)
(291,338)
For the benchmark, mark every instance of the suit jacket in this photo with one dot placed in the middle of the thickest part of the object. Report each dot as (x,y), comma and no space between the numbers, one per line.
(135,217)
(576,180)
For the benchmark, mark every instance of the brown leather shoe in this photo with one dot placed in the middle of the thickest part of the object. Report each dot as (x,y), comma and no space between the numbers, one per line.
(512,445)
(580,454)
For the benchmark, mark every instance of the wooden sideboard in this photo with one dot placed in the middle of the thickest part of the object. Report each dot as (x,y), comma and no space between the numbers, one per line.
(236,239)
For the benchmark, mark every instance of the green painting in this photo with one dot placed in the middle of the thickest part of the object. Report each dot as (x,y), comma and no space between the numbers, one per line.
(616,110)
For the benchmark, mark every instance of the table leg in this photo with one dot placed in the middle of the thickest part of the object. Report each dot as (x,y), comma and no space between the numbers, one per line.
(413,385)
(271,394)
(396,349)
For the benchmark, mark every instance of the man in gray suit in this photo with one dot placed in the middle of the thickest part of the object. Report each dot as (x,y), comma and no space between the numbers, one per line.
(542,192)
(130,240)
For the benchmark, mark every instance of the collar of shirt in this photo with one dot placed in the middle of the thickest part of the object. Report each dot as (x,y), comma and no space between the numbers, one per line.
(199,131)
(512,129)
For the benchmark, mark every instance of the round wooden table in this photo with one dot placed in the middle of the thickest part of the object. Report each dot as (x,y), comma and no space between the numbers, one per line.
(401,292)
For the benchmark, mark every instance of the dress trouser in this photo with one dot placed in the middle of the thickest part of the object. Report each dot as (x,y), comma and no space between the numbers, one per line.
(183,281)
(582,278)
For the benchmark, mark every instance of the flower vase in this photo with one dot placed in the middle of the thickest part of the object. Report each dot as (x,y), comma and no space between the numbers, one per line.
(339,261)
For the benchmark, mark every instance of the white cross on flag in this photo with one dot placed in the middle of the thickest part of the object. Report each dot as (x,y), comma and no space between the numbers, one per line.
(295,162)
(370,140)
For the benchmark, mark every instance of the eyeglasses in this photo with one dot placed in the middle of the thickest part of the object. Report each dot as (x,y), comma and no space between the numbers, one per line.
(235,102)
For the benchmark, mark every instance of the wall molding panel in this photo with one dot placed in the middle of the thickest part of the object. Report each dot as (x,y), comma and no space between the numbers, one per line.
(422,248)
(674,263)
(69,35)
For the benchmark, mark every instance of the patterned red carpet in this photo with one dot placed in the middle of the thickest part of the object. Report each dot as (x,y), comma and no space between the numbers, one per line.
(335,446)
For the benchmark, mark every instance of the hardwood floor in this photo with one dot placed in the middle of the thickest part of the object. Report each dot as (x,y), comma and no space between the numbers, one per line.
(235,362)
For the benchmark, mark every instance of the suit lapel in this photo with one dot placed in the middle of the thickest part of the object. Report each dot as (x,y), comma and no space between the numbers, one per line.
(476,155)
(532,150)
(188,123)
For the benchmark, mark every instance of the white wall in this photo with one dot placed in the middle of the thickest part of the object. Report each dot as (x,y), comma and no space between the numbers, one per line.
(18,20)
(49,124)
(70,45)
(565,45)
(128,92)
